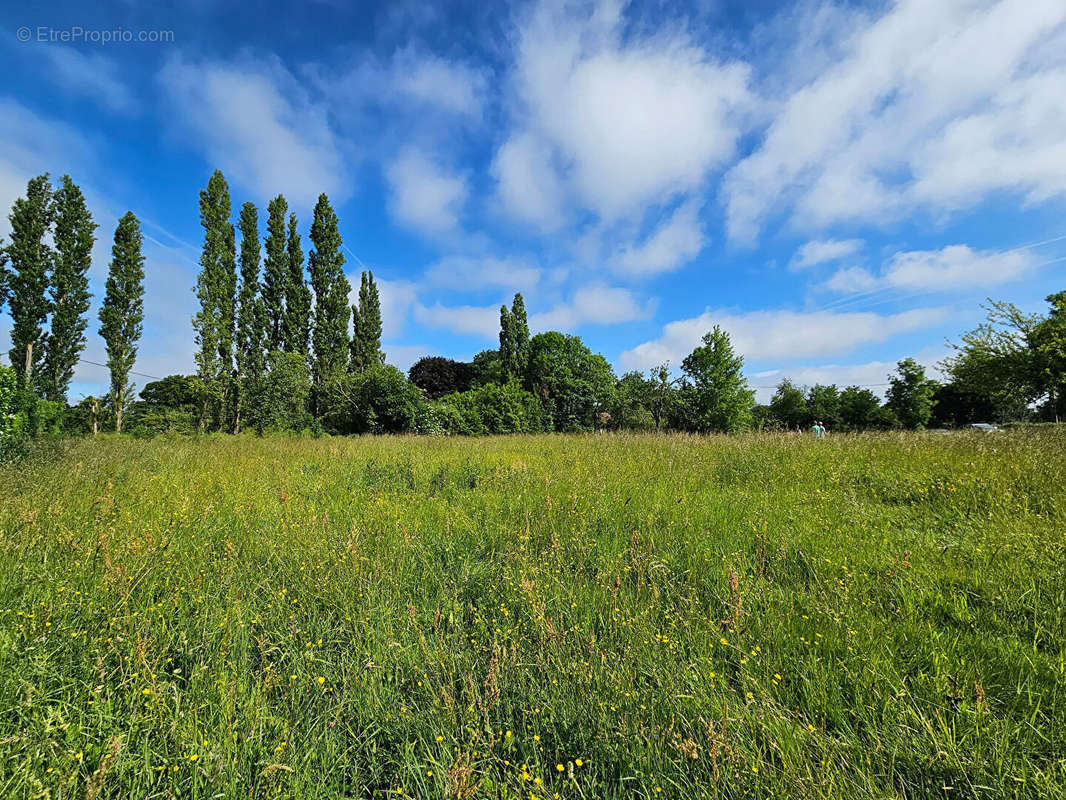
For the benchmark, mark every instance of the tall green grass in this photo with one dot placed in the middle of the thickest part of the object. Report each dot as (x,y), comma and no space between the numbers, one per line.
(581,617)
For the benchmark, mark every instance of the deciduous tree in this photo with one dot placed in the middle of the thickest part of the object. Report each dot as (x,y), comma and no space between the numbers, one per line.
(716,394)
(330,335)
(250,315)
(31,261)
(275,274)
(123,310)
(216,290)
(910,394)
(297,296)
(73,237)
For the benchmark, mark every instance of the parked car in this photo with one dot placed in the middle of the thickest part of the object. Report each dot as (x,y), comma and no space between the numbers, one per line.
(987,427)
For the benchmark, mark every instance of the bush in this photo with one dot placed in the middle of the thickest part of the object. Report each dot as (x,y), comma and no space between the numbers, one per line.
(378,399)
(280,401)
(491,408)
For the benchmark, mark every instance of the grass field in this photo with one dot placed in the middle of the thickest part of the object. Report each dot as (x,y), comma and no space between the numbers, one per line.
(537,617)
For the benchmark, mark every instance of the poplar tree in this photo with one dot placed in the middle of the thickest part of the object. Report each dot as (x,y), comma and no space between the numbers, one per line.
(365,348)
(31,261)
(123,310)
(297,296)
(330,336)
(520,328)
(4,275)
(216,289)
(507,342)
(250,316)
(275,274)
(74,238)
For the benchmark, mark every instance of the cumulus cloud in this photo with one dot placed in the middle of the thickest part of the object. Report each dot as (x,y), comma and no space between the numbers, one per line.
(471,274)
(823,251)
(528,187)
(254,120)
(635,119)
(593,305)
(906,117)
(480,321)
(780,335)
(424,195)
(952,268)
(677,241)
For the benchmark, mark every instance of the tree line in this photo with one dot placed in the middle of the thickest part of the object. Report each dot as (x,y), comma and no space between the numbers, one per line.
(279,347)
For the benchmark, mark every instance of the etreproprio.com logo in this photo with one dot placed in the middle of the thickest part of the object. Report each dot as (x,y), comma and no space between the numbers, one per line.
(76,34)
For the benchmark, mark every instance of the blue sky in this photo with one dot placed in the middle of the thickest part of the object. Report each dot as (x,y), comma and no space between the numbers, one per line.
(837,185)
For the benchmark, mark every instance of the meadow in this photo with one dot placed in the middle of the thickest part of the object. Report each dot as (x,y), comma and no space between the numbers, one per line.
(760,616)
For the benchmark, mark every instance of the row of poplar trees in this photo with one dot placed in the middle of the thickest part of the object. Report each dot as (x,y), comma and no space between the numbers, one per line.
(44,278)
(257,304)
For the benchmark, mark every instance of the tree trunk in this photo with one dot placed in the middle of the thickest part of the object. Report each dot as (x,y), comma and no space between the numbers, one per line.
(95,405)
(119,402)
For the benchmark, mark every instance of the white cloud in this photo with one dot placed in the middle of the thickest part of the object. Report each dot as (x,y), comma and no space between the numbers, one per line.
(424,196)
(952,268)
(481,321)
(851,280)
(823,251)
(85,72)
(410,82)
(635,120)
(255,122)
(910,116)
(431,80)
(592,305)
(528,187)
(472,274)
(677,241)
(779,335)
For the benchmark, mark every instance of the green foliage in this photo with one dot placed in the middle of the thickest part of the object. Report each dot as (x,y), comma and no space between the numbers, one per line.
(31,260)
(488,368)
(378,399)
(297,296)
(365,346)
(69,292)
(910,394)
(1048,342)
(330,334)
(122,313)
(275,275)
(173,391)
(823,405)
(574,384)
(216,289)
(251,316)
(631,403)
(514,339)
(8,392)
(281,399)
(438,376)
(491,409)
(867,617)
(788,406)
(860,410)
(716,395)
(995,360)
